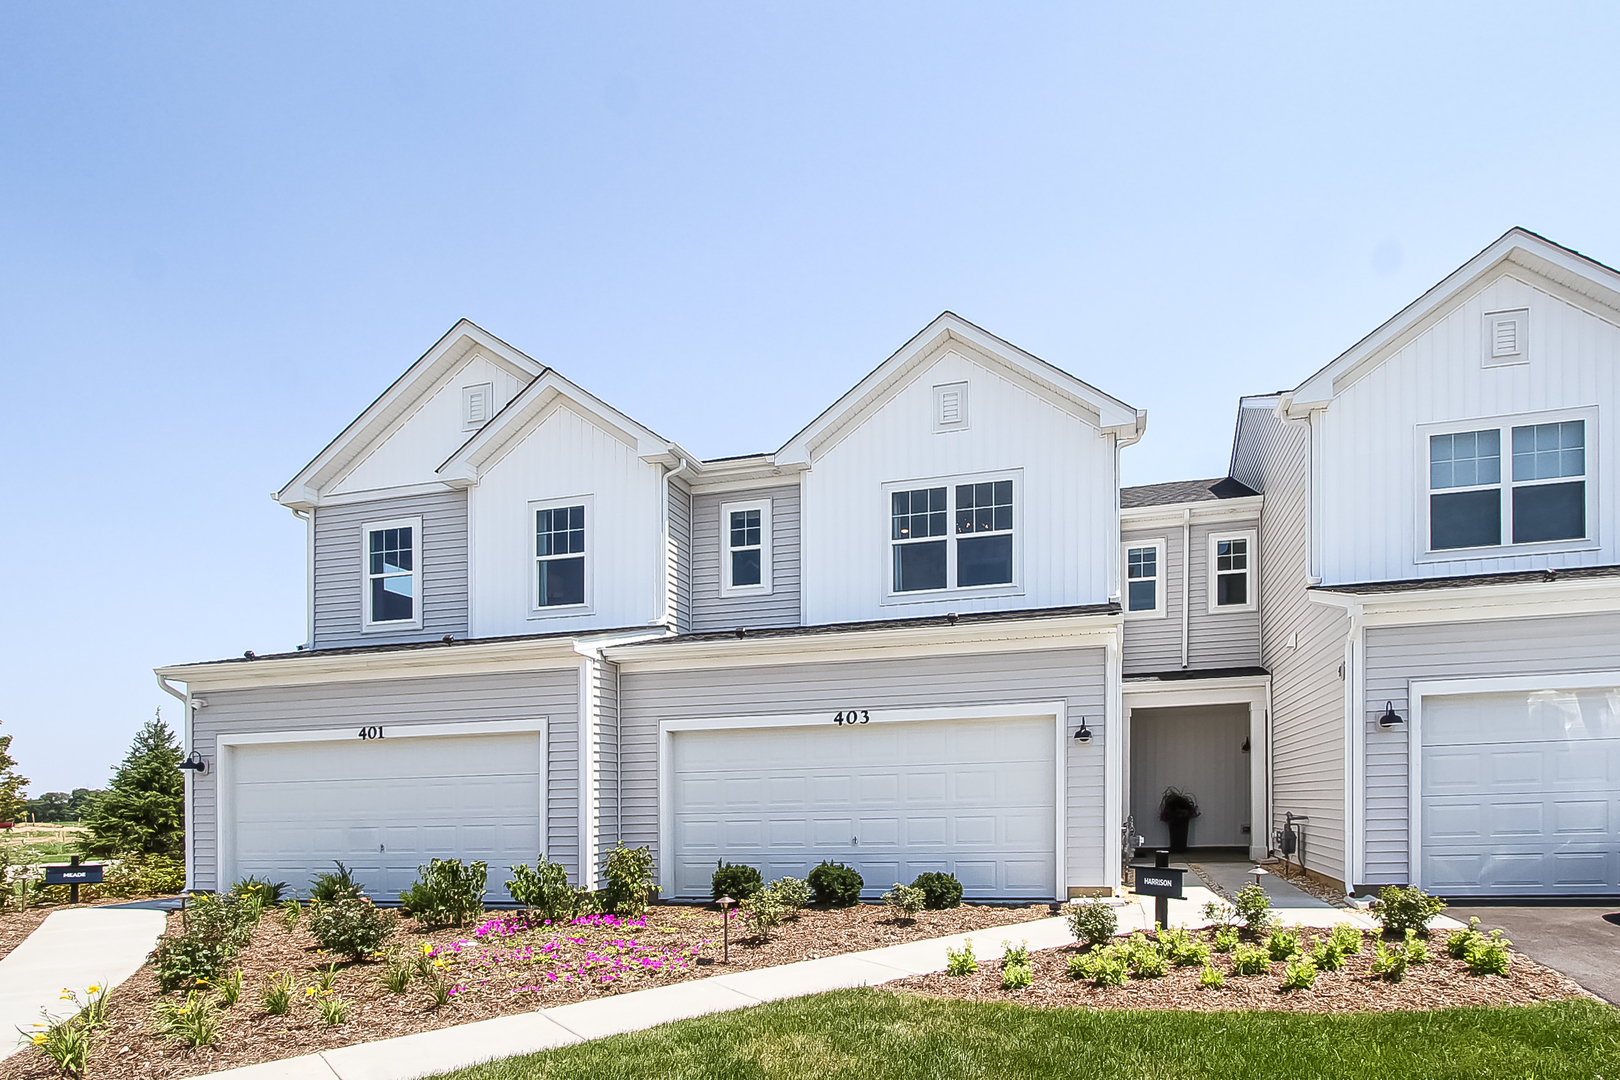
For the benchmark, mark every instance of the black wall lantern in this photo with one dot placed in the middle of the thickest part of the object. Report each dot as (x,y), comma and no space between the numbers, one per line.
(1391,719)
(1084,734)
(194,763)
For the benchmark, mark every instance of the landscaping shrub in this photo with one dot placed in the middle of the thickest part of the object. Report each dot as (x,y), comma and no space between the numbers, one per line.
(735,880)
(144,875)
(1226,938)
(791,893)
(1148,963)
(1016,976)
(764,912)
(1283,944)
(1107,966)
(1300,974)
(1347,939)
(1015,954)
(355,928)
(544,890)
(1459,941)
(276,996)
(1183,949)
(1253,906)
(1250,960)
(329,887)
(447,892)
(212,916)
(1327,956)
(1489,955)
(1400,908)
(1211,978)
(334,1010)
(1093,922)
(836,885)
(1389,960)
(265,891)
(961,961)
(905,901)
(940,891)
(193,1020)
(629,873)
(1417,952)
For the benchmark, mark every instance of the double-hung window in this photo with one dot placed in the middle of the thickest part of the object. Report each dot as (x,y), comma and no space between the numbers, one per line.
(1144,578)
(1231,571)
(1509,484)
(560,579)
(745,541)
(392,571)
(952,536)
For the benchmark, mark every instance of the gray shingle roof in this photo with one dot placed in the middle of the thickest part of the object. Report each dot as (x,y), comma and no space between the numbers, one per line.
(1183,491)
(1373,588)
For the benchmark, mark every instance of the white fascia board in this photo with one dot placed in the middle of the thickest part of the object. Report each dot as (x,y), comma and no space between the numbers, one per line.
(1074,632)
(1107,413)
(1246,508)
(458,659)
(743,474)
(1175,693)
(1518,246)
(1524,600)
(396,403)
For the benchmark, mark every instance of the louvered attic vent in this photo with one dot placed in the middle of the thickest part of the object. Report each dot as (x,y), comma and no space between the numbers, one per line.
(951,407)
(1507,336)
(476,402)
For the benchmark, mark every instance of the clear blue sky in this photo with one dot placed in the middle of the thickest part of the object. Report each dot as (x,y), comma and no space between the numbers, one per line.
(226,227)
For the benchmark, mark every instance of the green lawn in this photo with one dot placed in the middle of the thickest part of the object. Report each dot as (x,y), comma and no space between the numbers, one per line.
(877,1035)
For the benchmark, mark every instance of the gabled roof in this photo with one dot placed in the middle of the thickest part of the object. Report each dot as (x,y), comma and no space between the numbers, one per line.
(1587,278)
(397,402)
(1106,412)
(1183,491)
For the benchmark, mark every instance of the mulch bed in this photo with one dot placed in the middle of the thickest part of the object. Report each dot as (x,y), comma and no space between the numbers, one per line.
(1440,984)
(496,973)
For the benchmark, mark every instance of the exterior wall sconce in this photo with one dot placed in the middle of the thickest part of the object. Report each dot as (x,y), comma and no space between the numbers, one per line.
(194,763)
(1084,734)
(1391,719)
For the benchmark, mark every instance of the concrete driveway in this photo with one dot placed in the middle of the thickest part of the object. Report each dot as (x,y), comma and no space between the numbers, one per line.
(1574,938)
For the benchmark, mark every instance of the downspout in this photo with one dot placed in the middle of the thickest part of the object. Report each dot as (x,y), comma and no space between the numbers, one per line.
(1186,587)
(666,584)
(1353,710)
(308,518)
(186,711)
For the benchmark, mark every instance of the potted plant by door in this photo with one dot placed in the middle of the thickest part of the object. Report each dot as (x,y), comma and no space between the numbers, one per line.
(1177,808)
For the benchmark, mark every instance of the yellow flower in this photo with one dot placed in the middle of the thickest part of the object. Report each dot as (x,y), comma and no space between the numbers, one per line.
(202,980)
(93,990)
(39,1040)
(309,991)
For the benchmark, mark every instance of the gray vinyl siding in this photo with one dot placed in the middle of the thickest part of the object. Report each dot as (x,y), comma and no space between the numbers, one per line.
(710,610)
(1395,656)
(605,676)
(1076,675)
(1226,639)
(1307,690)
(680,556)
(553,694)
(339,586)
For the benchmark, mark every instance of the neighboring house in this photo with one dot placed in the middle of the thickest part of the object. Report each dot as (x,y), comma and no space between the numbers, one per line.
(932,632)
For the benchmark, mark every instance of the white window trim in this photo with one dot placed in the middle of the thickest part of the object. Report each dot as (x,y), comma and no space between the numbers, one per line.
(922,596)
(765,556)
(1161,607)
(367,624)
(1505,424)
(560,611)
(1254,578)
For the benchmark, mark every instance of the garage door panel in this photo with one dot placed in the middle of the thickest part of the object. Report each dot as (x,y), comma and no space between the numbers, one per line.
(1582,868)
(882,789)
(1574,818)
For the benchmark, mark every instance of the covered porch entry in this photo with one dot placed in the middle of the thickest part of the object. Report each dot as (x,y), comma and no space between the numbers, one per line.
(1203,734)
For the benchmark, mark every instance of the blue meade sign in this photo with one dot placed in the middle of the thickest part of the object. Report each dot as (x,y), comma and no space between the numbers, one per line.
(73,875)
(1159,881)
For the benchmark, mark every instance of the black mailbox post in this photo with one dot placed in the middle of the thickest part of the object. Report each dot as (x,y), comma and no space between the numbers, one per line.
(1162,882)
(73,875)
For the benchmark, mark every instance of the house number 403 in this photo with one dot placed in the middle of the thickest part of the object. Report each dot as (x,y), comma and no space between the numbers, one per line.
(853,716)
(374,732)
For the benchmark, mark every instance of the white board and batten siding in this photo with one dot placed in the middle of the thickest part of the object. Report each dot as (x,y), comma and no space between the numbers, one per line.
(1074,677)
(340,578)
(1553,647)
(1302,642)
(780,607)
(343,708)
(1372,469)
(1067,489)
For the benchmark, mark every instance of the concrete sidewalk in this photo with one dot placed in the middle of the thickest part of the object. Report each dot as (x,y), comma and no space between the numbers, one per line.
(72,950)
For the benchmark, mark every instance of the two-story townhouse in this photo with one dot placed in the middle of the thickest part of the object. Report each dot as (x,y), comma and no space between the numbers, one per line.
(536,626)
(1440,584)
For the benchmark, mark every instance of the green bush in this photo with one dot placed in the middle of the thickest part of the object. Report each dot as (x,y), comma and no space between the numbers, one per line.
(544,890)
(1226,938)
(329,887)
(940,891)
(1148,964)
(1390,960)
(1016,976)
(630,887)
(836,885)
(447,892)
(905,901)
(354,928)
(1283,944)
(1093,921)
(1347,939)
(144,875)
(267,892)
(791,893)
(1211,978)
(961,961)
(187,961)
(734,880)
(1253,905)
(764,912)
(1249,960)
(1107,966)
(1489,955)
(1015,954)
(1327,956)
(223,918)
(1417,952)
(1460,940)
(1400,908)
(1300,974)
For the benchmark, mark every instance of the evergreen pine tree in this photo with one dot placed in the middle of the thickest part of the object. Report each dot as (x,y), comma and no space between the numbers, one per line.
(11,785)
(144,812)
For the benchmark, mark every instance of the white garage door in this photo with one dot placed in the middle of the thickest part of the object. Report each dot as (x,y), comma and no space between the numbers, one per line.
(384,806)
(975,798)
(1521,792)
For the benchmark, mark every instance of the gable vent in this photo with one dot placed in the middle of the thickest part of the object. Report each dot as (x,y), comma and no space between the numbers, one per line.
(951,407)
(1507,336)
(476,403)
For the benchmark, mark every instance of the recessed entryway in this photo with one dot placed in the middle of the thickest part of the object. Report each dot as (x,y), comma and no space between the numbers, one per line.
(1203,751)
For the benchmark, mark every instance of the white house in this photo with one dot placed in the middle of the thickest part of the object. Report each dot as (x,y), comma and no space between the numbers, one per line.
(931,632)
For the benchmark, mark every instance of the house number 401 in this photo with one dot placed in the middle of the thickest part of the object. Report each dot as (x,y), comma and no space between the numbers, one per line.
(374,732)
(853,716)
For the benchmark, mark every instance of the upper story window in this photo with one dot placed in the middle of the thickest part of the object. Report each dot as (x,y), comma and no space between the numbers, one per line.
(393,572)
(1144,578)
(560,579)
(745,537)
(952,536)
(1540,495)
(1231,571)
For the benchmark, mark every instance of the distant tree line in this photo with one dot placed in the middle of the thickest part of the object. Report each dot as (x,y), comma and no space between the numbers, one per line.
(59,806)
